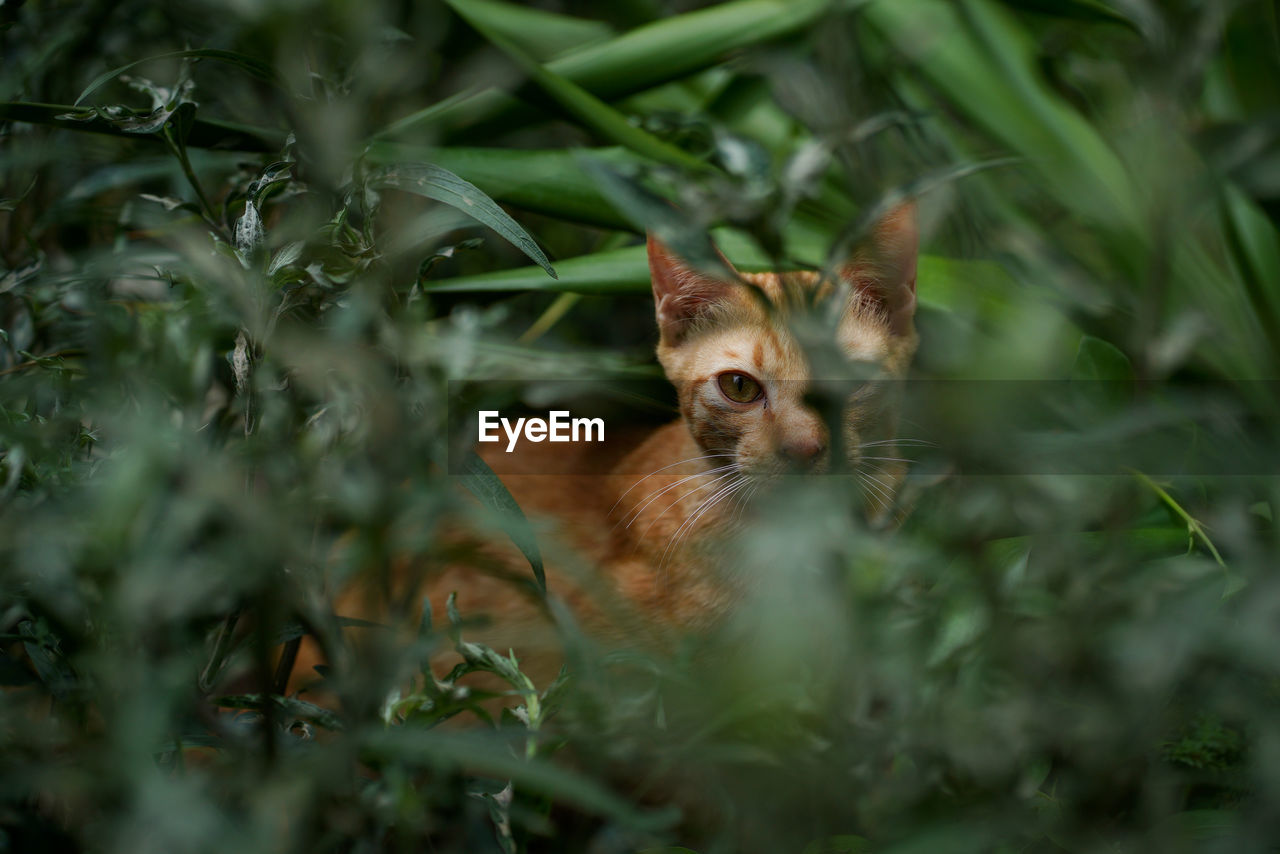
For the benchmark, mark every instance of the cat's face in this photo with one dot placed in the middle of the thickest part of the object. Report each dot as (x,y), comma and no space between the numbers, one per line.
(745,381)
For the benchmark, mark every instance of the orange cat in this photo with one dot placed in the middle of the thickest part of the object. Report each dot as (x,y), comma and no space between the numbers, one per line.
(628,533)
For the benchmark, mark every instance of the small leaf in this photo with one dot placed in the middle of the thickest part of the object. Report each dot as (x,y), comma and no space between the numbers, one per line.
(425,179)
(240,360)
(1098,360)
(249,232)
(490,491)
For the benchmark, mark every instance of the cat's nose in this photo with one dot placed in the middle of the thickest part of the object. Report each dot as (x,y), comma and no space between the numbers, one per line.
(802,452)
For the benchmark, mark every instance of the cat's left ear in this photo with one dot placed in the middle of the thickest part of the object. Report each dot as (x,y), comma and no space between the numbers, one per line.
(885,269)
(681,293)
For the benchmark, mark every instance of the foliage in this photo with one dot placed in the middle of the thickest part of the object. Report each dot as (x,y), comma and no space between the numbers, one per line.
(249,246)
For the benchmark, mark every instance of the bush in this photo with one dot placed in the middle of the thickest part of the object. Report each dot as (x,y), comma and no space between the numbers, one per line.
(254,252)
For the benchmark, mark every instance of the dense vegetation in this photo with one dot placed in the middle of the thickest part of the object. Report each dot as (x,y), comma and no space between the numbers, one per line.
(249,248)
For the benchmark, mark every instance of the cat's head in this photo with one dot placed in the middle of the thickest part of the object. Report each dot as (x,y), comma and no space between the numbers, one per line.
(744,379)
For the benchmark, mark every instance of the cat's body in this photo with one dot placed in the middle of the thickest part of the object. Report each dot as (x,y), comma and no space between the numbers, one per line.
(630,528)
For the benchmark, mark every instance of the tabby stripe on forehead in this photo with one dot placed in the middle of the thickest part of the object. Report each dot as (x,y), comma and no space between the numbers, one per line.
(757,356)
(774,343)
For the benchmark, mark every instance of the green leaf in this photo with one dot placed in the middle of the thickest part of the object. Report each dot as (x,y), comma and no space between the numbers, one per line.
(945,284)
(541,33)
(580,104)
(618,271)
(665,50)
(547,181)
(255,67)
(1253,241)
(1099,360)
(434,182)
(987,64)
(491,492)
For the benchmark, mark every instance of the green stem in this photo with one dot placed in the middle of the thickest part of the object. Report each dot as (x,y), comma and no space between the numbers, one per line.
(180,151)
(1193,525)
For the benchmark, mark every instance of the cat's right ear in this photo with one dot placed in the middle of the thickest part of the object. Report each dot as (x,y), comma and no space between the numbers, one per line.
(680,293)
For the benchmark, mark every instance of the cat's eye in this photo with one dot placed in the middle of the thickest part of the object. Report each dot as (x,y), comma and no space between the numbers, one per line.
(740,388)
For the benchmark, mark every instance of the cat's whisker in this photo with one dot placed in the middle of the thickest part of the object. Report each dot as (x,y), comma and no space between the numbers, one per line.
(719,479)
(888,459)
(878,488)
(877,469)
(634,515)
(688,524)
(743,500)
(676,537)
(664,468)
(920,443)
(722,495)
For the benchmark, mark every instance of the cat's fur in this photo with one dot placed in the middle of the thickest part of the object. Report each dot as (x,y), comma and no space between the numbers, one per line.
(629,533)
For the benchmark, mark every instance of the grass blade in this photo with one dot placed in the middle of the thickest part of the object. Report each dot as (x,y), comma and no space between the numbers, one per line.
(491,492)
(647,56)
(1253,241)
(986,64)
(541,33)
(619,271)
(546,181)
(434,182)
(580,104)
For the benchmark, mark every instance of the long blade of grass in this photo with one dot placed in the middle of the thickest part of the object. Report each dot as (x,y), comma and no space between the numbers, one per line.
(987,65)
(580,104)
(545,181)
(435,182)
(645,57)
(618,271)
(1253,242)
(491,492)
(944,283)
(542,34)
